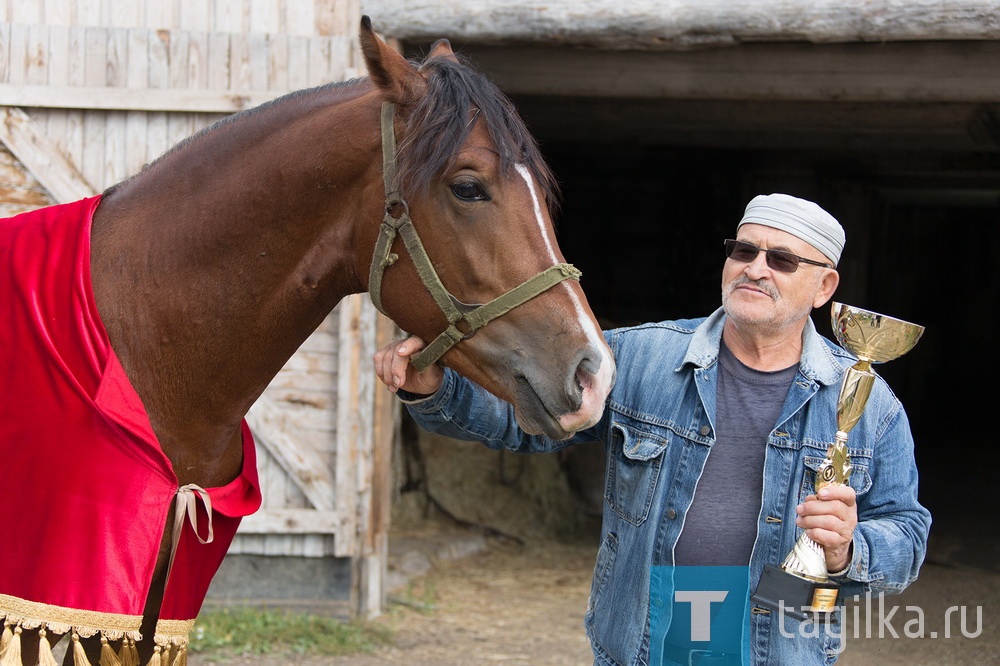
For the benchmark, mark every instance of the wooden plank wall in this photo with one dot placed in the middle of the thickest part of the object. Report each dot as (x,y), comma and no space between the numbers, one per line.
(90,91)
(113,99)
(20,191)
(299,17)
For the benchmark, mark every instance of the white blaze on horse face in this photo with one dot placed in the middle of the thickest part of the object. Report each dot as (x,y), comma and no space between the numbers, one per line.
(595,387)
(537,206)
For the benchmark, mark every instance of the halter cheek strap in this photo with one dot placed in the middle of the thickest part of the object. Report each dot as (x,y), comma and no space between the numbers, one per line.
(475,317)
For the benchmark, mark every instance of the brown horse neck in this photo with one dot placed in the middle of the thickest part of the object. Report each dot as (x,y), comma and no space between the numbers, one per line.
(224,255)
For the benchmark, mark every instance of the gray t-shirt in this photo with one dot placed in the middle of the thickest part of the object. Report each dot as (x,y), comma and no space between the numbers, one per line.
(721,525)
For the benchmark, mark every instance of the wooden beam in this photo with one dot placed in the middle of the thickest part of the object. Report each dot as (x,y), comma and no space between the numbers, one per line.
(386,421)
(387,412)
(684,24)
(131,99)
(290,521)
(355,423)
(353,474)
(54,172)
(765,125)
(895,72)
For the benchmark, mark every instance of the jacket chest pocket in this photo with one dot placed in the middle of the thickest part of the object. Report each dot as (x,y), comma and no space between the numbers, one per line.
(634,462)
(860,479)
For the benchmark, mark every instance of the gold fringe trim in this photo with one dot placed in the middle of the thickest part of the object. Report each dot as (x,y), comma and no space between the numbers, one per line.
(11,654)
(181,659)
(169,655)
(155,659)
(174,632)
(10,650)
(6,637)
(79,656)
(171,637)
(108,656)
(129,654)
(61,620)
(45,656)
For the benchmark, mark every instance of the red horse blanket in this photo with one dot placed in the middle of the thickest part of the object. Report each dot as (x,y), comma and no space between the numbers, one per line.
(85,489)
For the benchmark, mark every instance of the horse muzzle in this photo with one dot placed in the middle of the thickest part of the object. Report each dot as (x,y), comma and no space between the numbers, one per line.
(558,410)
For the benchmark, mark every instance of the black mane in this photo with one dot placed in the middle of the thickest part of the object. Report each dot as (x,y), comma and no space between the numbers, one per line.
(440,124)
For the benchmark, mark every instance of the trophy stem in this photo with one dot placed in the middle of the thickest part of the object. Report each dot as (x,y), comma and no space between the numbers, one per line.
(854,391)
(807,560)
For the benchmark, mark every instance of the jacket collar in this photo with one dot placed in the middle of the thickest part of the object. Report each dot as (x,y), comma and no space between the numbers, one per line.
(818,362)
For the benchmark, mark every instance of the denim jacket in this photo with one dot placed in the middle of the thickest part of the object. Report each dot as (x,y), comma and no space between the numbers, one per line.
(658,429)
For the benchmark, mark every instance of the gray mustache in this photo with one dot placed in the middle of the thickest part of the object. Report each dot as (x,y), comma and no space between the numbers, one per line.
(763,285)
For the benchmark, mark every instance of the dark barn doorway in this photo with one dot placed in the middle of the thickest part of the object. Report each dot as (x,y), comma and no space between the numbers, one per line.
(646,228)
(652,184)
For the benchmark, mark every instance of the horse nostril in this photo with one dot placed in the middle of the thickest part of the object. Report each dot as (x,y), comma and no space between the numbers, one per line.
(590,364)
(582,378)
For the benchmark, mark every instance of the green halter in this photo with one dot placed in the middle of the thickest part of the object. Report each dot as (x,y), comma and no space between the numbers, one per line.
(474,318)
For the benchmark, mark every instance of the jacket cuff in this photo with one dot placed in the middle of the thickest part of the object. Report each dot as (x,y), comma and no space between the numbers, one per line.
(426,404)
(847,567)
(858,568)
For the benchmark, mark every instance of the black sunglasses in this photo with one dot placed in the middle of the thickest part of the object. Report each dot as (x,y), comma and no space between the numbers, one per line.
(778,260)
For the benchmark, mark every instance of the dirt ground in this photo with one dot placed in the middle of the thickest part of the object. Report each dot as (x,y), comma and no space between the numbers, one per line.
(462,598)
(504,604)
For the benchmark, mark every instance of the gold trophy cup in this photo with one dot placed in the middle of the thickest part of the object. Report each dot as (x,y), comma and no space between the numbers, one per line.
(801,587)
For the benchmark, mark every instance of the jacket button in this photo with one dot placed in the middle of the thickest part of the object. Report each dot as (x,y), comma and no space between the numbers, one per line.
(671,514)
(704,430)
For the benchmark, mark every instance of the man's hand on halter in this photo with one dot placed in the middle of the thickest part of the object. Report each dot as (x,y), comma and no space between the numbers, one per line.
(392,365)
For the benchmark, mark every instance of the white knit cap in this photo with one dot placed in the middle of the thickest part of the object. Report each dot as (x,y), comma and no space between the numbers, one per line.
(799,217)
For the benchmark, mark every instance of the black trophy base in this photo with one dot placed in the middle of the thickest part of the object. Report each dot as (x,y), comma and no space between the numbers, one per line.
(805,600)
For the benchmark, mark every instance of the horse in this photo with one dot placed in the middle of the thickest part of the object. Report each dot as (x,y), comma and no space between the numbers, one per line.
(191,284)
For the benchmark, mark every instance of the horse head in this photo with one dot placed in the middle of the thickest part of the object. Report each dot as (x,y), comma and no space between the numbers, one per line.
(467,254)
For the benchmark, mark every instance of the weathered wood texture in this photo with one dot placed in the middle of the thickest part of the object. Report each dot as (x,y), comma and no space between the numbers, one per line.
(684,24)
(92,90)
(112,99)
(23,138)
(20,191)
(300,17)
(892,72)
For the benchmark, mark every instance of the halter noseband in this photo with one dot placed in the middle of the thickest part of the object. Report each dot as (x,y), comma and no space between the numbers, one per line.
(475,317)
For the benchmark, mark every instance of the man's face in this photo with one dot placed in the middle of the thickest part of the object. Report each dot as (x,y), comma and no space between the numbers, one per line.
(755,295)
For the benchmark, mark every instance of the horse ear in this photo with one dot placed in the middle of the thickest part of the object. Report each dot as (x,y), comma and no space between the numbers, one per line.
(398,79)
(442,49)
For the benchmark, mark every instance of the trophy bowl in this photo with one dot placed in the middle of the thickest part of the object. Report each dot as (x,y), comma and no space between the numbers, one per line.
(871,336)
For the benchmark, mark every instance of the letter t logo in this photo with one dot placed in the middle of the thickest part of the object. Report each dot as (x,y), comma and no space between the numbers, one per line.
(701,606)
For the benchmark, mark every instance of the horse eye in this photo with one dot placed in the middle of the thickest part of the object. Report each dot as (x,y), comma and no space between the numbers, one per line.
(469,190)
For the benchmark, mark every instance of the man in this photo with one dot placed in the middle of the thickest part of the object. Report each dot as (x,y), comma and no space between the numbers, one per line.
(713,432)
